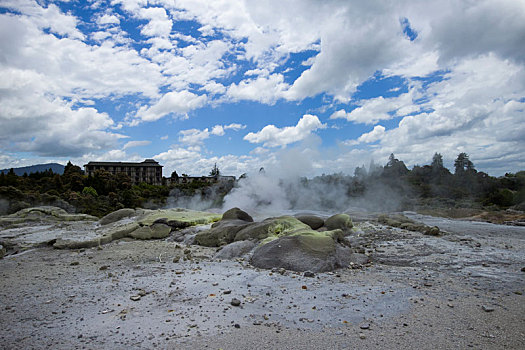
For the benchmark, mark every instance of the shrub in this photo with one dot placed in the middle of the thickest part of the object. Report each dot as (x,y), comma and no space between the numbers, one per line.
(90,191)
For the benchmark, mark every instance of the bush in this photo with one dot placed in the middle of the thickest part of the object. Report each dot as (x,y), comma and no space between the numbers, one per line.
(90,191)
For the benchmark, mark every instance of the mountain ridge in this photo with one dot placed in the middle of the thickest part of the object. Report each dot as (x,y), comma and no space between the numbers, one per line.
(56,167)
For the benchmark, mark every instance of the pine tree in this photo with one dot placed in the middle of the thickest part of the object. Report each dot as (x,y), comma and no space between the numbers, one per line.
(215,171)
(437,161)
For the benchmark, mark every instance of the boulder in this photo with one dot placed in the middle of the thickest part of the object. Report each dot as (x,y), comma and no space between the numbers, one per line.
(221,233)
(43,214)
(280,226)
(117,216)
(405,223)
(339,222)
(432,231)
(236,214)
(106,235)
(305,251)
(50,225)
(313,221)
(235,249)
(151,232)
(394,220)
(180,218)
(232,230)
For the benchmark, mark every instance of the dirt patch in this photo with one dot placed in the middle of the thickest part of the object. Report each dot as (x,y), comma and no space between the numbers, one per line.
(501,217)
(462,290)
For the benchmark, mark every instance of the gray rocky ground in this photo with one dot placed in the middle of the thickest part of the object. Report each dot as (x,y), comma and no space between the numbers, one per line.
(463,289)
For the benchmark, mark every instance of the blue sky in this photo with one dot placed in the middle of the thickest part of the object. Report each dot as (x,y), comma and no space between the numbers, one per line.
(303,87)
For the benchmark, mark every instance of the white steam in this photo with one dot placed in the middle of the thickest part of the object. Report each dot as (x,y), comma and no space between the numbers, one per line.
(258,194)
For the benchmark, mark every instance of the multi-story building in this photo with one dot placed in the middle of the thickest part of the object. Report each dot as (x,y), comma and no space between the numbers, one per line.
(205,179)
(148,171)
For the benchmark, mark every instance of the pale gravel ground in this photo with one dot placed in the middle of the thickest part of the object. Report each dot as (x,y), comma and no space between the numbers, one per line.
(423,293)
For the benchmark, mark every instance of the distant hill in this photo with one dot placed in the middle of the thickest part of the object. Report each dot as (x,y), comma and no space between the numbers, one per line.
(57,169)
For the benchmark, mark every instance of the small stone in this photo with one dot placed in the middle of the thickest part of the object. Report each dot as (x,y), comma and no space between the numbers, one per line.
(227,292)
(176,259)
(135,297)
(75,263)
(450,305)
(365,326)
(104,267)
(487,308)
(237,325)
(235,302)
(362,336)
(304,287)
(523,269)
(309,274)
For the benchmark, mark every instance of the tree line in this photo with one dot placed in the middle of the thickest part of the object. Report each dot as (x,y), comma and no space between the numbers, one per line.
(435,182)
(432,185)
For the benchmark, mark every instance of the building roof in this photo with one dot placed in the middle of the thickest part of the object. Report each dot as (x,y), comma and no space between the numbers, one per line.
(147,162)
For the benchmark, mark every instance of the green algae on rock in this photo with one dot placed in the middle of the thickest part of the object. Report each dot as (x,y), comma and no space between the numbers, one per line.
(54,226)
(304,250)
(278,226)
(183,217)
(339,221)
(149,225)
(233,230)
(155,231)
(300,252)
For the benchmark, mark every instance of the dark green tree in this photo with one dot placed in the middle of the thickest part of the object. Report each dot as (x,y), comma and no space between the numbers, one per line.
(394,167)
(392,160)
(72,169)
(437,161)
(360,172)
(215,171)
(463,164)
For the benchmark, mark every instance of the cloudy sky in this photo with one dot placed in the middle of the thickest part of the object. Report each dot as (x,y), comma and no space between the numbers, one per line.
(309,87)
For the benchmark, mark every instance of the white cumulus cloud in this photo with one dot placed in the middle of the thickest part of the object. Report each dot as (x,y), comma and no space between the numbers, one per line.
(131,144)
(174,102)
(272,136)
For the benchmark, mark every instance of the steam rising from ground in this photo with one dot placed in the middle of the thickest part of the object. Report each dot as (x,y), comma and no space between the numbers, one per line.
(282,189)
(263,194)
(260,193)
